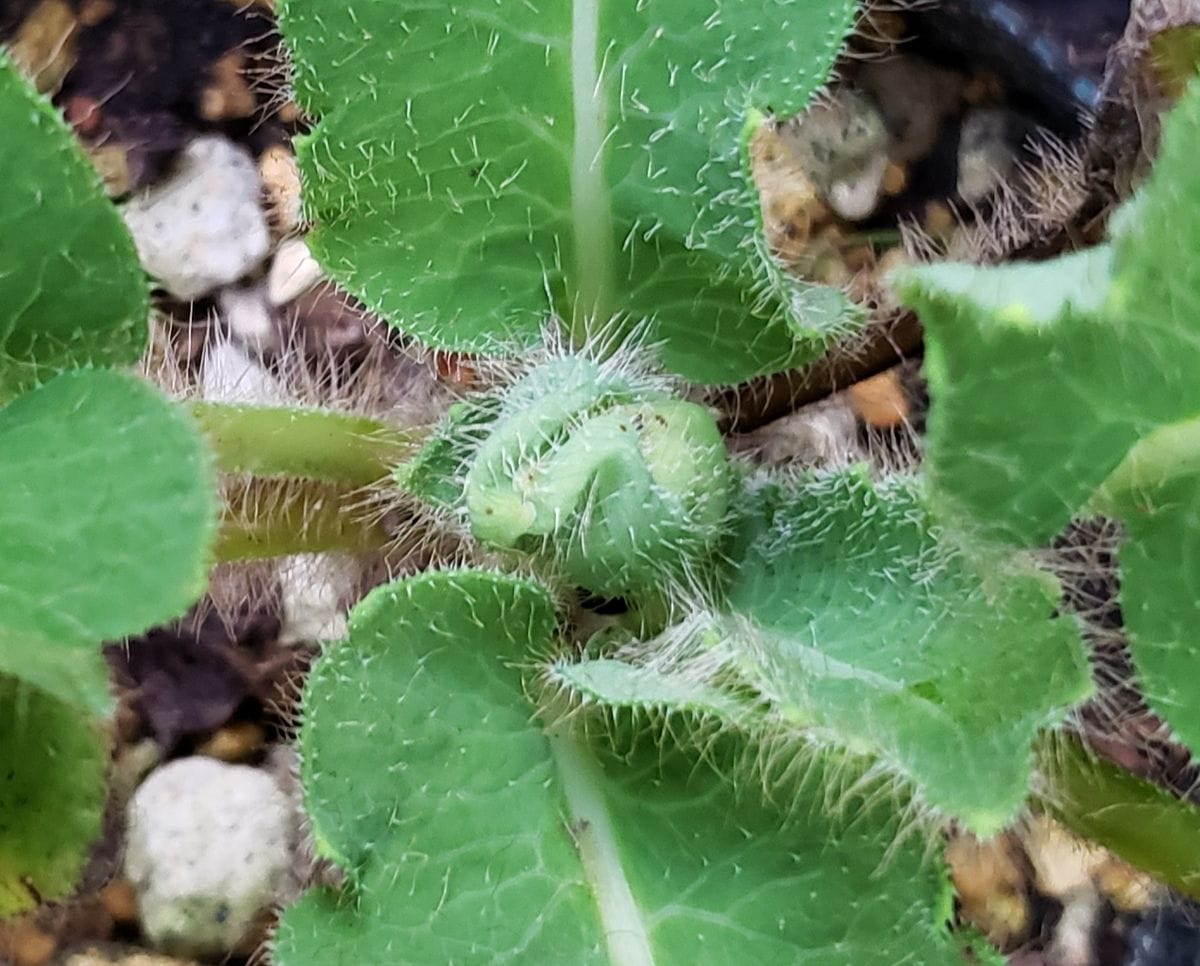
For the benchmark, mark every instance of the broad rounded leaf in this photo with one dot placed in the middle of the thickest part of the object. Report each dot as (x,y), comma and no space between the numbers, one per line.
(71,288)
(479,167)
(859,625)
(106,519)
(471,835)
(53,760)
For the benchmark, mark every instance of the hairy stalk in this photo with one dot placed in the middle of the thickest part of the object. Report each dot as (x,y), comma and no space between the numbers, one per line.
(274,518)
(1142,823)
(757,403)
(314,444)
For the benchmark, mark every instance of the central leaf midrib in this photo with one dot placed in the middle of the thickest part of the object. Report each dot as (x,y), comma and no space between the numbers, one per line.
(592,288)
(621,919)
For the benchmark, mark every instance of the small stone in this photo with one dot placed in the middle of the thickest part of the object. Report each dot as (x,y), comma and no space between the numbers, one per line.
(987,154)
(248,316)
(120,901)
(133,763)
(1062,864)
(202,226)
(22,943)
(113,954)
(456,369)
(1128,889)
(93,12)
(112,164)
(83,113)
(858,258)
(880,401)
(44,47)
(315,590)
(895,179)
(991,886)
(939,219)
(1073,943)
(293,272)
(238,743)
(228,96)
(289,112)
(1165,936)
(229,375)
(915,98)
(208,852)
(841,145)
(892,260)
(281,184)
(824,436)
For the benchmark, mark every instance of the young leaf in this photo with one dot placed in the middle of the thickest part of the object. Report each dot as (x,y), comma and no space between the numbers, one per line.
(1034,405)
(436,474)
(1017,463)
(612,684)
(1159,604)
(52,765)
(620,485)
(106,518)
(77,295)
(1043,376)
(477,168)
(855,621)
(470,835)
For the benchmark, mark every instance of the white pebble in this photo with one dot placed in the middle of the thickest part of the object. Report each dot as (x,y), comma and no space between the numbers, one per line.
(856,197)
(229,375)
(209,848)
(293,271)
(986,154)
(248,316)
(314,589)
(203,226)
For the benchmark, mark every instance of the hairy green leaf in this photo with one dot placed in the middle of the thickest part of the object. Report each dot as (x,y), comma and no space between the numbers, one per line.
(1015,464)
(106,518)
(52,765)
(77,294)
(437,473)
(1159,601)
(471,835)
(1047,378)
(1042,377)
(479,167)
(858,623)
(613,683)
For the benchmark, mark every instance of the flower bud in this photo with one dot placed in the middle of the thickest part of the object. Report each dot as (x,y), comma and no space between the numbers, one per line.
(621,485)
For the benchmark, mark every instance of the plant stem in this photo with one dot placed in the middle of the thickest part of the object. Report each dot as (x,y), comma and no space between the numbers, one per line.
(880,347)
(273,518)
(311,443)
(1145,825)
